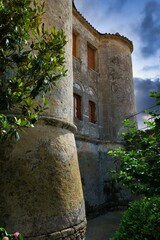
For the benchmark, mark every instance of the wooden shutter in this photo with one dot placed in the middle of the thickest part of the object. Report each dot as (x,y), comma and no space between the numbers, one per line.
(91,58)
(77,106)
(74,46)
(92,112)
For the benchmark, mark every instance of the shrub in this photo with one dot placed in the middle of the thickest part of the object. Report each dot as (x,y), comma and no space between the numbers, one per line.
(141,221)
(138,163)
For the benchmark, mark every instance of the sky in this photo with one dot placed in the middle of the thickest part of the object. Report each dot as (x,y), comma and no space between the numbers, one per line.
(139,21)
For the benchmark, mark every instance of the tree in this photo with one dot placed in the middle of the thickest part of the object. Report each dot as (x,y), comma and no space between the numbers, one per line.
(140,221)
(139,160)
(31,63)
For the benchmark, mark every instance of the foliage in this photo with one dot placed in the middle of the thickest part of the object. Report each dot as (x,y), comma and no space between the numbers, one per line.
(139,160)
(5,236)
(141,221)
(31,63)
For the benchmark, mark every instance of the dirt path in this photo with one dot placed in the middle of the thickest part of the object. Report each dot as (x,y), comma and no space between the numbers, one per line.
(103,227)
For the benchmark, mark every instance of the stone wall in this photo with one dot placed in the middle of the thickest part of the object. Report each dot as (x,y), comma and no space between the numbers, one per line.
(76,232)
(85,80)
(110,87)
(101,192)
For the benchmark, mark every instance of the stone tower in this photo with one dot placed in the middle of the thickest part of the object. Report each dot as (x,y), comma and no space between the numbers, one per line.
(40,191)
(116,84)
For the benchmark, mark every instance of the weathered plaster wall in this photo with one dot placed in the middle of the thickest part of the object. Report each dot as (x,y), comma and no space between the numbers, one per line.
(100,191)
(116,85)
(86,80)
(112,85)
(40,191)
(59,14)
(38,178)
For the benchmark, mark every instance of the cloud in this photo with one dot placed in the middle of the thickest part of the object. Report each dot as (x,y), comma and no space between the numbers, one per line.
(94,5)
(143,87)
(103,14)
(150,29)
(149,68)
(115,5)
(100,9)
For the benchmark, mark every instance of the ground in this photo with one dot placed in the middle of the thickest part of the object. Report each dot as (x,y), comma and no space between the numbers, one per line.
(103,227)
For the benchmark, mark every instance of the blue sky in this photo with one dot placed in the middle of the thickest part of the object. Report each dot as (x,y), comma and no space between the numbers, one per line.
(138,20)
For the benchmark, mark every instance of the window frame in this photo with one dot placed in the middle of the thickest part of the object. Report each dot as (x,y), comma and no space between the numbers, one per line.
(77,106)
(75,44)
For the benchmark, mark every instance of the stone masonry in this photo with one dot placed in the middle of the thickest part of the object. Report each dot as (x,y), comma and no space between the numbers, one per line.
(41,192)
(110,86)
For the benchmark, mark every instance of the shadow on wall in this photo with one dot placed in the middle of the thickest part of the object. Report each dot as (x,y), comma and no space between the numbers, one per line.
(101,192)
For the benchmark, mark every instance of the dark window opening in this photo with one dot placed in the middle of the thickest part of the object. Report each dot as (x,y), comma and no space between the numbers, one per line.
(77,106)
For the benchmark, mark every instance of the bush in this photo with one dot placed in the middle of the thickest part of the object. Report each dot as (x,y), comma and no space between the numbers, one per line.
(138,162)
(141,221)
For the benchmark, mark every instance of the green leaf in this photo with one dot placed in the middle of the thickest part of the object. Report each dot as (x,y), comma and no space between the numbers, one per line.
(34,70)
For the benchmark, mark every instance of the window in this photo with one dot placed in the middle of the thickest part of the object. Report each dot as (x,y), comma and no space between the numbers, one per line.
(75,46)
(77,106)
(91,57)
(92,112)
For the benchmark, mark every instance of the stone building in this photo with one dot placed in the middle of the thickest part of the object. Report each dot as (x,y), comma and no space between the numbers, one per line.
(40,192)
(103,98)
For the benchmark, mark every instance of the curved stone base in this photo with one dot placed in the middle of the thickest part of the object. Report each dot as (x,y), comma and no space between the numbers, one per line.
(76,232)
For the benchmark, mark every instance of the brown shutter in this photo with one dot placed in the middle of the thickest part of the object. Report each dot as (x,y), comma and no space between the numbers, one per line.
(74,46)
(77,106)
(91,58)
(92,112)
